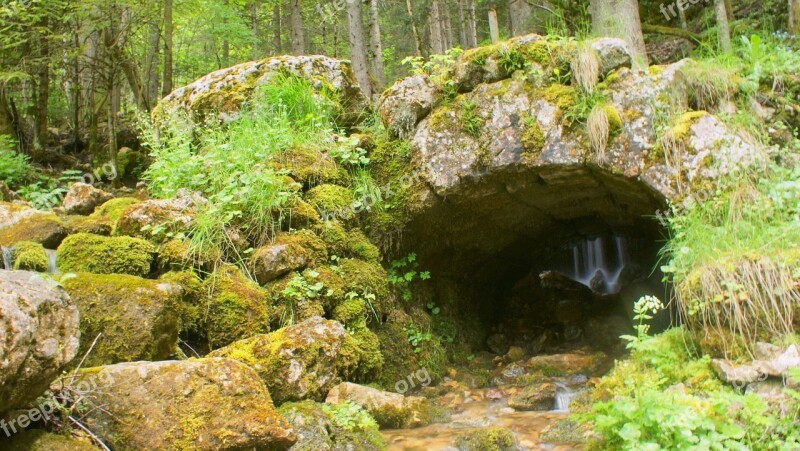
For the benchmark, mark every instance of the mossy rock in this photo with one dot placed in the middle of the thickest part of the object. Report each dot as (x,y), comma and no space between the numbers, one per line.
(398,354)
(96,254)
(300,214)
(193,299)
(113,209)
(194,404)
(160,219)
(318,427)
(30,256)
(361,355)
(362,276)
(178,255)
(310,166)
(23,223)
(390,410)
(352,313)
(137,319)
(237,308)
(487,439)
(289,252)
(96,225)
(302,361)
(39,440)
(332,202)
(344,243)
(359,246)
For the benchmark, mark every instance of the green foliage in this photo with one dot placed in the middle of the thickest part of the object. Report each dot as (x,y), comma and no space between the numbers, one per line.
(642,309)
(299,289)
(348,153)
(417,337)
(511,59)
(15,168)
(438,68)
(404,271)
(349,416)
(579,111)
(233,166)
(471,122)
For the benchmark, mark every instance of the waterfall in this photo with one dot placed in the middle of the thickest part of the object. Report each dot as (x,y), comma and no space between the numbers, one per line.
(8,254)
(52,267)
(564,395)
(597,269)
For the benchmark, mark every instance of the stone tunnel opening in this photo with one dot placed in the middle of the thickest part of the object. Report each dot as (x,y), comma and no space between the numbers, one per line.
(549,259)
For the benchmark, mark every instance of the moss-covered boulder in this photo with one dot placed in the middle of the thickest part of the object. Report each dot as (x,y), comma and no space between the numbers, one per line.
(399,357)
(85,252)
(289,252)
(567,364)
(236,308)
(30,256)
(365,277)
(40,335)
(332,202)
(137,319)
(155,219)
(302,361)
(197,404)
(390,410)
(487,439)
(343,426)
(220,94)
(309,166)
(113,208)
(540,397)
(83,198)
(97,225)
(20,222)
(39,440)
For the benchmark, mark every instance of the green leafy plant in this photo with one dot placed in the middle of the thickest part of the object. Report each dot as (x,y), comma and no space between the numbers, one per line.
(643,310)
(417,337)
(15,168)
(348,153)
(470,120)
(349,416)
(433,308)
(367,297)
(298,290)
(511,59)
(404,271)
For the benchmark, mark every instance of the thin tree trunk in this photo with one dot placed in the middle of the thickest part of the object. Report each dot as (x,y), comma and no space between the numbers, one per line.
(462,25)
(151,74)
(167,87)
(620,19)
(358,47)
(414,30)
(723,26)
(729,10)
(256,52)
(276,37)
(447,24)
(682,16)
(375,47)
(471,26)
(226,45)
(518,13)
(437,46)
(42,97)
(494,29)
(298,32)
(794,17)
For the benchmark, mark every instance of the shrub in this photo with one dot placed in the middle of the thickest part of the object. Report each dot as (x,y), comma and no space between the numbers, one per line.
(14,167)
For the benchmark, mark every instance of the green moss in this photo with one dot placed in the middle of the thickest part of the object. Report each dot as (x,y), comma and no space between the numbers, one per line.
(331,200)
(40,227)
(30,256)
(352,313)
(332,426)
(114,208)
(300,213)
(682,125)
(366,276)
(399,357)
(237,308)
(307,243)
(310,166)
(487,439)
(137,319)
(359,246)
(334,235)
(444,118)
(191,308)
(533,137)
(564,97)
(97,225)
(85,252)
(39,440)
(361,355)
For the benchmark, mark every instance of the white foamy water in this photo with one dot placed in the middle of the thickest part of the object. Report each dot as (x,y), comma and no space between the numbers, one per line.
(597,268)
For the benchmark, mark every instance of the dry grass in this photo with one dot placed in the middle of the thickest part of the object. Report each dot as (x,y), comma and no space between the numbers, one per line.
(586,68)
(598,129)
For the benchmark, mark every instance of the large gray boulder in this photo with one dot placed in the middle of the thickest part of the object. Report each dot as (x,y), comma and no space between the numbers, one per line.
(39,330)
(199,404)
(223,92)
(83,198)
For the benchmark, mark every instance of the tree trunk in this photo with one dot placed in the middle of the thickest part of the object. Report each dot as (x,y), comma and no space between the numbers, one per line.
(620,19)
(723,26)
(276,28)
(494,29)
(167,87)
(682,16)
(518,12)
(375,47)
(358,47)
(256,52)
(471,26)
(298,32)
(447,24)
(41,97)
(729,10)
(414,30)
(435,28)
(794,17)
(151,68)
(462,25)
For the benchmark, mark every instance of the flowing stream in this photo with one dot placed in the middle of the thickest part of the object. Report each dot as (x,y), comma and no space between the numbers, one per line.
(52,267)
(7,256)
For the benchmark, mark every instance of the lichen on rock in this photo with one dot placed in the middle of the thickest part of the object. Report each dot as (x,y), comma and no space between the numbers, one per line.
(86,252)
